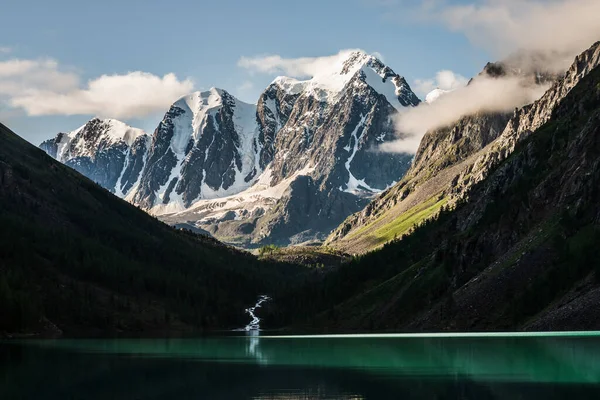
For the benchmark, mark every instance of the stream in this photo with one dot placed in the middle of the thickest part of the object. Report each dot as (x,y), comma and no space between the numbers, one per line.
(254,325)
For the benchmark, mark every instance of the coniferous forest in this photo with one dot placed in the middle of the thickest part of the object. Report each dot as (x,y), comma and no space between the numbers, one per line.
(75,255)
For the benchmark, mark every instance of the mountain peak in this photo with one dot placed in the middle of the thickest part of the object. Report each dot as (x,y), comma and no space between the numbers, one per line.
(203,100)
(329,78)
(213,92)
(355,60)
(290,85)
(334,73)
(108,151)
(112,129)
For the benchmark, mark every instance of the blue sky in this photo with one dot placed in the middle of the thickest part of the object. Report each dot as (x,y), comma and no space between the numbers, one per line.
(71,42)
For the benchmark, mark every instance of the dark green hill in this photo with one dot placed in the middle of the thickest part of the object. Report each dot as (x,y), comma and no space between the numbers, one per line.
(75,256)
(519,252)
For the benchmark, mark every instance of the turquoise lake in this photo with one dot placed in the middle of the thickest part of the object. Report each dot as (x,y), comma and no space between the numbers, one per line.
(473,366)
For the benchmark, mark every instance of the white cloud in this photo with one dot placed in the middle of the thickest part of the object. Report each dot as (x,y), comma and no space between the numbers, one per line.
(303,67)
(484,94)
(530,35)
(568,26)
(20,76)
(5,49)
(561,27)
(42,87)
(445,80)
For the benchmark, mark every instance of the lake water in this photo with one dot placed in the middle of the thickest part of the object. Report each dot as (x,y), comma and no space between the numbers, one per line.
(314,367)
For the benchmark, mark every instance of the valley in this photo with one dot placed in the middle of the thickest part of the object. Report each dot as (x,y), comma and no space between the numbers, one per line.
(77,260)
(482,231)
(257,200)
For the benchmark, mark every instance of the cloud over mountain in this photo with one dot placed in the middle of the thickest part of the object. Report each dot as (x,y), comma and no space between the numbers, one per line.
(300,67)
(43,87)
(533,35)
(483,94)
(561,27)
(445,80)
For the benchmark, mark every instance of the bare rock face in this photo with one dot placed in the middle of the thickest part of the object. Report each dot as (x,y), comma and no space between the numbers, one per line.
(446,146)
(528,119)
(273,111)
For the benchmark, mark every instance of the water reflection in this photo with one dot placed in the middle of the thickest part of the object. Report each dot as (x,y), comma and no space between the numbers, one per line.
(255,367)
(253,347)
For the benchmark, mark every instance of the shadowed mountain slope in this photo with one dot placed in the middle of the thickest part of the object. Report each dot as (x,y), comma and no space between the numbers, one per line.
(515,252)
(75,257)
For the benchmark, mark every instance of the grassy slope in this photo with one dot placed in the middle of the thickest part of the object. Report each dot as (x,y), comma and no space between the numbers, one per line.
(382,231)
(383,223)
(74,254)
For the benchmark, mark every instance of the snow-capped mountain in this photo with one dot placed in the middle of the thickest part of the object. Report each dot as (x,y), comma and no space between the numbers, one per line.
(319,161)
(207,146)
(330,82)
(107,151)
(286,169)
(327,119)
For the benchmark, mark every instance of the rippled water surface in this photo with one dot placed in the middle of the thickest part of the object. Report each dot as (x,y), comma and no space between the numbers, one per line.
(309,367)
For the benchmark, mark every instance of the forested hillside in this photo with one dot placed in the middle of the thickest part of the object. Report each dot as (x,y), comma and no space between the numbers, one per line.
(75,258)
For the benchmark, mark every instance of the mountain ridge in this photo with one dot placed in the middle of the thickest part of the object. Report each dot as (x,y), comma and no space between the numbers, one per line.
(314,136)
(451,160)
